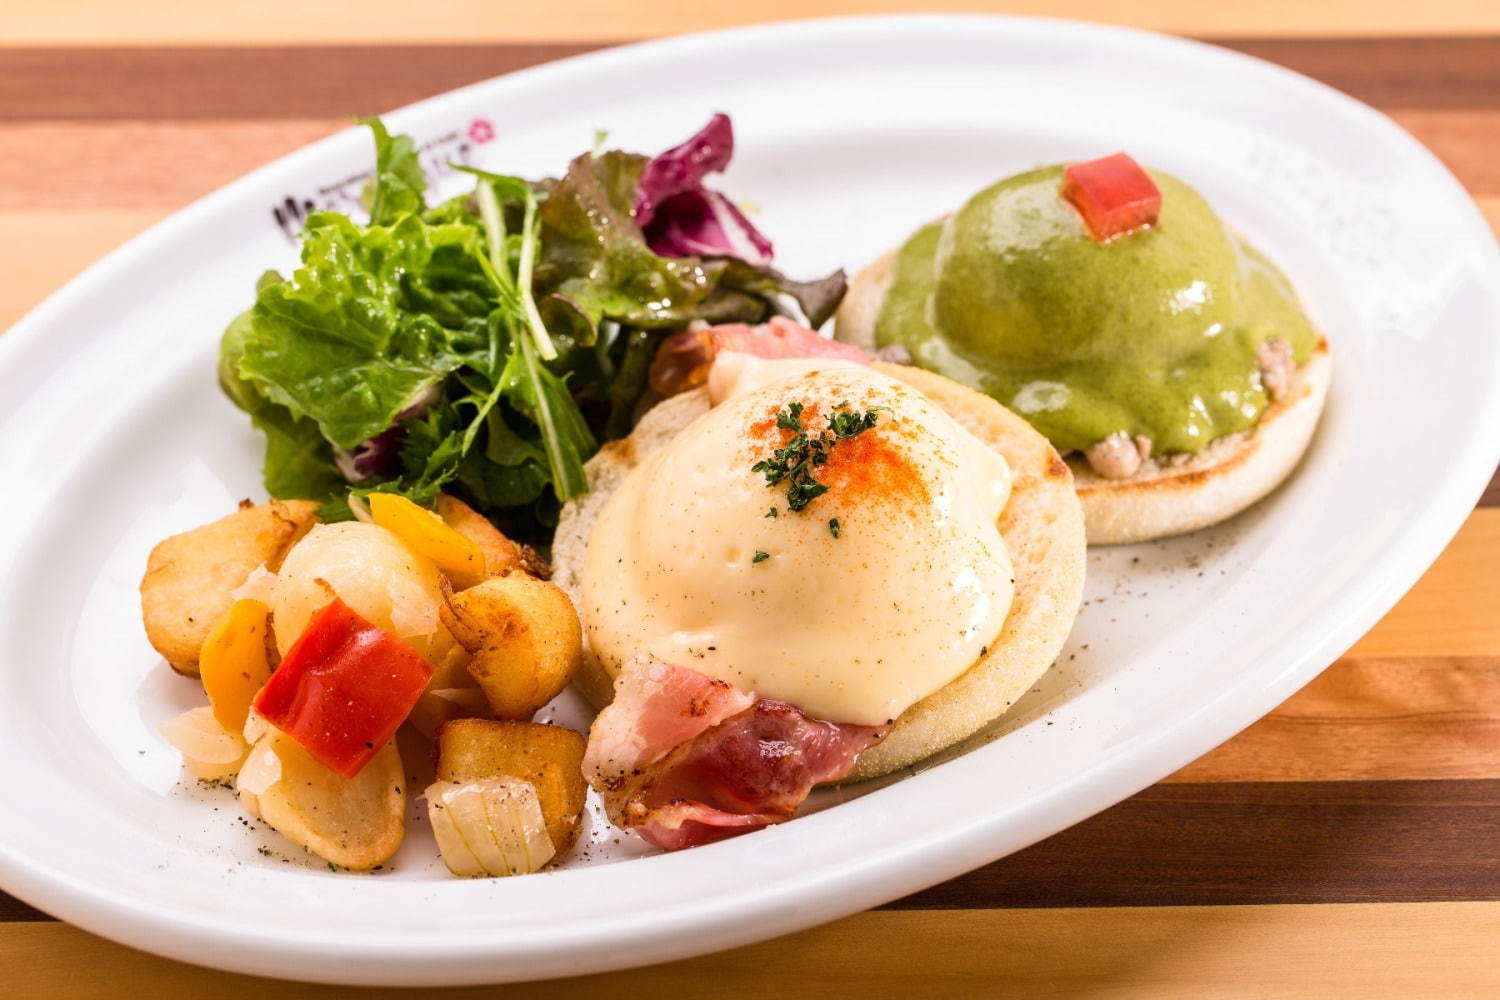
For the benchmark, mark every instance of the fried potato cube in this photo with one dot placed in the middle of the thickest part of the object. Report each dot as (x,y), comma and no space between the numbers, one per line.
(525,639)
(190,577)
(549,757)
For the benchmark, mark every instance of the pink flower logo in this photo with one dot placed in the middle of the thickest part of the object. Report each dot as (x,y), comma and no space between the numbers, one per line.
(481,131)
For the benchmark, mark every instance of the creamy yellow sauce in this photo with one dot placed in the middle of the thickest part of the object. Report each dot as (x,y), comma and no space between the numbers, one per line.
(856,626)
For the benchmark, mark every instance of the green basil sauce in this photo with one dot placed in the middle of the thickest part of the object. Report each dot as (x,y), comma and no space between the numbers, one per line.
(1153,333)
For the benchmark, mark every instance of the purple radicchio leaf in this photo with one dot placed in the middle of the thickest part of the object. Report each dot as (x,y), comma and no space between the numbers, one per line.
(377,458)
(380,456)
(681,217)
(682,168)
(704,223)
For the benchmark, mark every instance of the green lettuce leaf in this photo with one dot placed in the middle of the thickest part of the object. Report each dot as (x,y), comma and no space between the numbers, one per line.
(299,463)
(481,346)
(398,185)
(350,340)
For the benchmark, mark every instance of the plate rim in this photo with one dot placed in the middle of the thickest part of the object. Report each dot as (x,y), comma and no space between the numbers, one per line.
(941,854)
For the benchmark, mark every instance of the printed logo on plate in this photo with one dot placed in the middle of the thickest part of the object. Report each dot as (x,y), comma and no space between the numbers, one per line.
(438,156)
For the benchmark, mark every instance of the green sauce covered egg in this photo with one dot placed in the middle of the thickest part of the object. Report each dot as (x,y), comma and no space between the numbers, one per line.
(1161,334)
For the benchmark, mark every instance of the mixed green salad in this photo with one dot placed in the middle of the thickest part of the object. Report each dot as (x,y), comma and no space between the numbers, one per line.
(484,346)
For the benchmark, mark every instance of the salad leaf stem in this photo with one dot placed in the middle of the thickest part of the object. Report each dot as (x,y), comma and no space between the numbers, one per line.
(494,225)
(529,243)
(568,478)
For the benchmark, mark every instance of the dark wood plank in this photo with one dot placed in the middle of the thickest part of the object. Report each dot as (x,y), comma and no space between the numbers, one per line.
(1262,842)
(13,910)
(1491,496)
(323,81)
(1392,72)
(1242,842)
(247,82)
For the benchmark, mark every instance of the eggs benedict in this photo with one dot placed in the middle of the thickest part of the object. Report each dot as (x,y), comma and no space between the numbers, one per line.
(806,570)
(1110,306)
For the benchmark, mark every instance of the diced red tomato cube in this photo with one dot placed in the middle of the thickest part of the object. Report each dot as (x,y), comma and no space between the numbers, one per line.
(344,688)
(1114,196)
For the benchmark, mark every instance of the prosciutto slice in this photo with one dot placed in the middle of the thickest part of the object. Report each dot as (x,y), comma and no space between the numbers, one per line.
(657,707)
(683,360)
(743,771)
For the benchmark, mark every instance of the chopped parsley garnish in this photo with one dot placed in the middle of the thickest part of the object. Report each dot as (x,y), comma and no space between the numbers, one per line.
(833,526)
(771,512)
(797,460)
(760,556)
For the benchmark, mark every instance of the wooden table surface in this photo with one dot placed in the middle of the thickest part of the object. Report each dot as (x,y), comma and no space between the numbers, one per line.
(1348,844)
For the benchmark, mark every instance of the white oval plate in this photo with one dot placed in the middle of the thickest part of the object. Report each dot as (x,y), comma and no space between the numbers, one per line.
(851,133)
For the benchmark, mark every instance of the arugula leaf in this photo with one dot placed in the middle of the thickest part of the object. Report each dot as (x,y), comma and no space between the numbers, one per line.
(544,398)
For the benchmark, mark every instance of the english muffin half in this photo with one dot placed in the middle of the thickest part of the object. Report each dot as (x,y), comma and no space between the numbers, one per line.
(1041,524)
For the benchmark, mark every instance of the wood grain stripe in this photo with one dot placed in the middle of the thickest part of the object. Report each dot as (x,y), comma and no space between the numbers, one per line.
(51,248)
(161,165)
(1452,611)
(293,22)
(1245,842)
(1372,720)
(60,244)
(138,166)
(330,81)
(1370,952)
(321,81)
(1252,842)
(12,910)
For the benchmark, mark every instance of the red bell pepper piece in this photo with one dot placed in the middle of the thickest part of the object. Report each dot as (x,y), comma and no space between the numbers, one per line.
(1114,196)
(343,689)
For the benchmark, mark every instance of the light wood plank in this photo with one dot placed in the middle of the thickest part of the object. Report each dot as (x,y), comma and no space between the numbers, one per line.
(133,165)
(1454,610)
(106,22)
(138,166)
(1368,951)
(1417,698)
(55,246)
(50,248)
(1372,720)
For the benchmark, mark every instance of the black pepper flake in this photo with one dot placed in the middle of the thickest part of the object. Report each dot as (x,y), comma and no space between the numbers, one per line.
(760,556)
(833,527)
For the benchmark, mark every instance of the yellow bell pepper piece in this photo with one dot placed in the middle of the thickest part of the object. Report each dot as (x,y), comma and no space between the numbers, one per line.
(233,664)
(455,555)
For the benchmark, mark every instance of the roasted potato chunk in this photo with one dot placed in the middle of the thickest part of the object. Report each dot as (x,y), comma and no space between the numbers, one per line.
(525,639)
(189,577)
(451,694)
(501,555)
(354,822)
(549,757)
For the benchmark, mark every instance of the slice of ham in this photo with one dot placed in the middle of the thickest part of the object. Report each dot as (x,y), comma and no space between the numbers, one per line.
(743,771)
(683,360)
(656,707)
